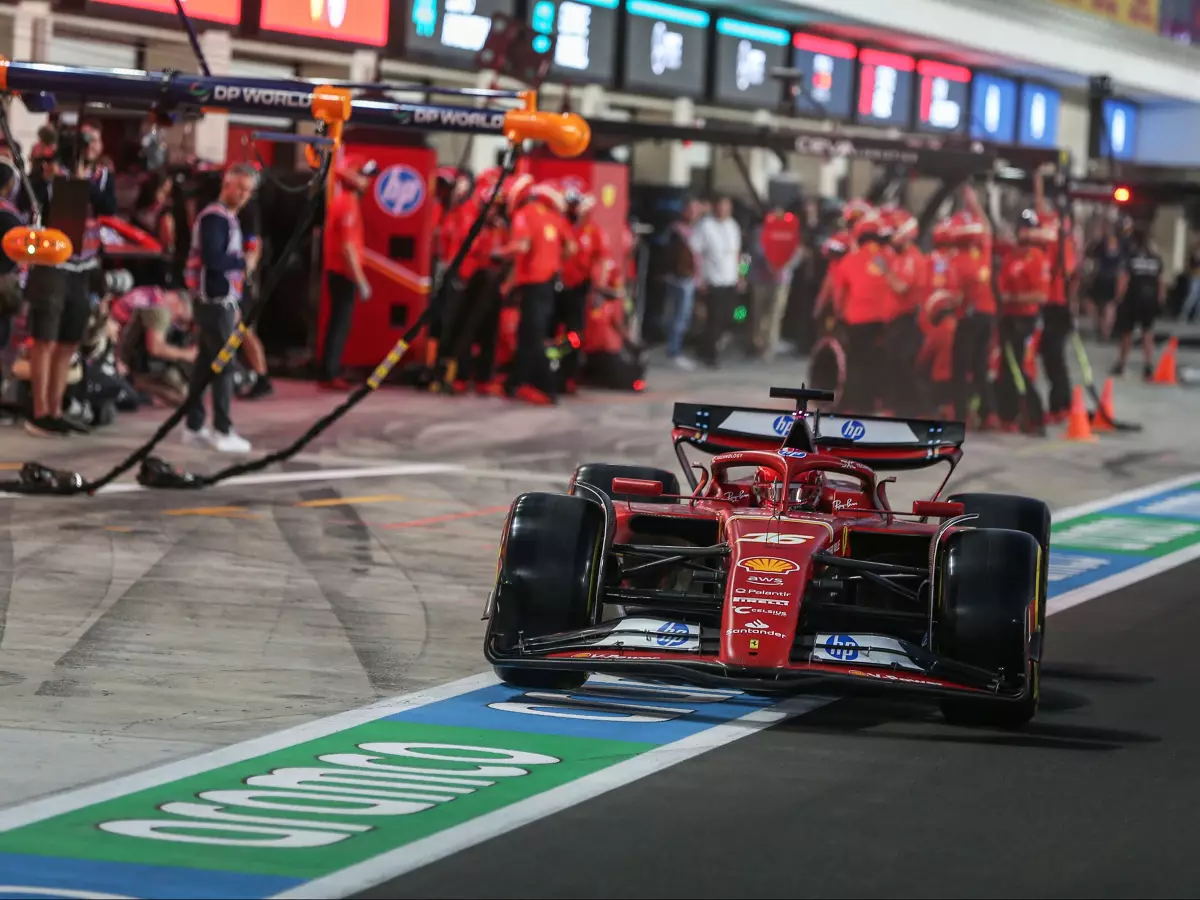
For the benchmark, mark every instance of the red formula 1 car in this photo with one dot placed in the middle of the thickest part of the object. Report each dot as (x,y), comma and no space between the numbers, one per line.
(784,569)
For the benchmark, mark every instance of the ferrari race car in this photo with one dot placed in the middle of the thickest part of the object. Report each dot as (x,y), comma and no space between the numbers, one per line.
(785,568)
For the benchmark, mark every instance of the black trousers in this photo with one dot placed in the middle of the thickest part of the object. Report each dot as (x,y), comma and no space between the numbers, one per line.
(1056,328)
(476,324)
(530,365)
(866,368)
(570,312)
(718,306)
(1015,331)
(904,392)
(972,341)
(215,322)
(341,313)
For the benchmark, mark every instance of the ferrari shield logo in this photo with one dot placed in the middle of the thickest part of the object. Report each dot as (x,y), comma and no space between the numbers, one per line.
(769,564)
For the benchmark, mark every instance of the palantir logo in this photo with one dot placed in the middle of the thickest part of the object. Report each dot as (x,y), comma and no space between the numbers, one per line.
(843,647)
(673,634)
(781,424)
(399,191)
(853,430)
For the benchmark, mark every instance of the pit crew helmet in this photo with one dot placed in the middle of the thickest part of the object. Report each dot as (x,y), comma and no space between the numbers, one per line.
(871,227)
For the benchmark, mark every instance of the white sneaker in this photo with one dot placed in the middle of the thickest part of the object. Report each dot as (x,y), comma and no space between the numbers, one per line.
(682,362)
(201,438)
(231,443)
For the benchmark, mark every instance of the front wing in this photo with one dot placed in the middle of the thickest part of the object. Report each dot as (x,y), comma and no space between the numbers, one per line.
(597,650)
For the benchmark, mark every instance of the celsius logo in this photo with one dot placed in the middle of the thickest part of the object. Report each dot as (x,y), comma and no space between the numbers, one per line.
(781,424)
(853,430)
(399,191)
(673,634)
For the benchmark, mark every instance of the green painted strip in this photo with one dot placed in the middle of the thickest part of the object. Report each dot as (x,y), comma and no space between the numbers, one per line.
(312,809)
(1142,535)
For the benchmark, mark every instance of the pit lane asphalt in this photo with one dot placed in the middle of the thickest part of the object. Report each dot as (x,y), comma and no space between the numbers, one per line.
(867,798)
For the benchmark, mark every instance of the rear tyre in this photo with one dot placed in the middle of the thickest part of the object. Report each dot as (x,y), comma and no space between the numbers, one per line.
(547,581)
(601,475)
(988,580)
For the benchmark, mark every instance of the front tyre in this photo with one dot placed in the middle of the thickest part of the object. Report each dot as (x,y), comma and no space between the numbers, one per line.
(547,581)
(988,582)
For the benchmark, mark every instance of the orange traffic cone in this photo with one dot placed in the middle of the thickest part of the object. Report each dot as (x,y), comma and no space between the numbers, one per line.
(1165,373)
(1104,418)
(1078,426)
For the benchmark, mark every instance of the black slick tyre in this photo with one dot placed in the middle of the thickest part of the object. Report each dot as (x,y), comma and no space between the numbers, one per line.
(547,581)
(987,582)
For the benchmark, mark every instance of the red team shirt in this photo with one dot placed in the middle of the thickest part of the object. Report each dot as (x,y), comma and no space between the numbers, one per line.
(973,268)
(543,228)
(343,226)
(863,293)
(1026,270)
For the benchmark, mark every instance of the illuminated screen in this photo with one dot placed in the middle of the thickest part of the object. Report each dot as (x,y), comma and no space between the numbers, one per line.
(828,68)
(1038,125)
(346,21)
(746,54)
(666,48)
(227,12)
(585,37)
(942,91)
(994,109)
(451,30)
(885,88)
(1118,136)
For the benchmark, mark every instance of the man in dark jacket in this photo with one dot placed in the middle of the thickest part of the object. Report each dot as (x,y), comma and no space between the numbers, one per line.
(216,277)
(680,278)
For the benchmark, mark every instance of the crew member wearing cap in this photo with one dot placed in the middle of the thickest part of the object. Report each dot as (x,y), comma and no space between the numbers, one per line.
(580,270)
(977,318)
(1056,314)
(216,277)
(911,270)
(1024,284)
(865,300)
(536,249)
(345,275)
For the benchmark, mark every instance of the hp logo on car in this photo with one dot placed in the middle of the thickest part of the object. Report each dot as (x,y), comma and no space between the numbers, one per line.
(781,424)
(399,191)
(672,634)
(843,647)
(854,430)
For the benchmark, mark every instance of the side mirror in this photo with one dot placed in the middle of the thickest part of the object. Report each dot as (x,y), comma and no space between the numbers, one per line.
(37,246)
(636,487)
(934,509)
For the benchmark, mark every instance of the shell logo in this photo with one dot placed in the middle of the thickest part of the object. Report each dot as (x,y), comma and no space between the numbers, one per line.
(608,195)
(771,564)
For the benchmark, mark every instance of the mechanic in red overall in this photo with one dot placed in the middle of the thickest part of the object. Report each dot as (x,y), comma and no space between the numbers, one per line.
(580,270)
(865,302)
(477,331)
(939,322)
(535,249)
(834,249)
(1024,287)
(910,282)
(1056,314)
(972,234)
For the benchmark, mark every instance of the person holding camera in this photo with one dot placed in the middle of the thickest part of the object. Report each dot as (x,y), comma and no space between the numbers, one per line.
(216,276)
(60,297)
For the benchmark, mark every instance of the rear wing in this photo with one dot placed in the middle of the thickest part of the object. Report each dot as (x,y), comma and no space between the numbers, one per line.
(880,442)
